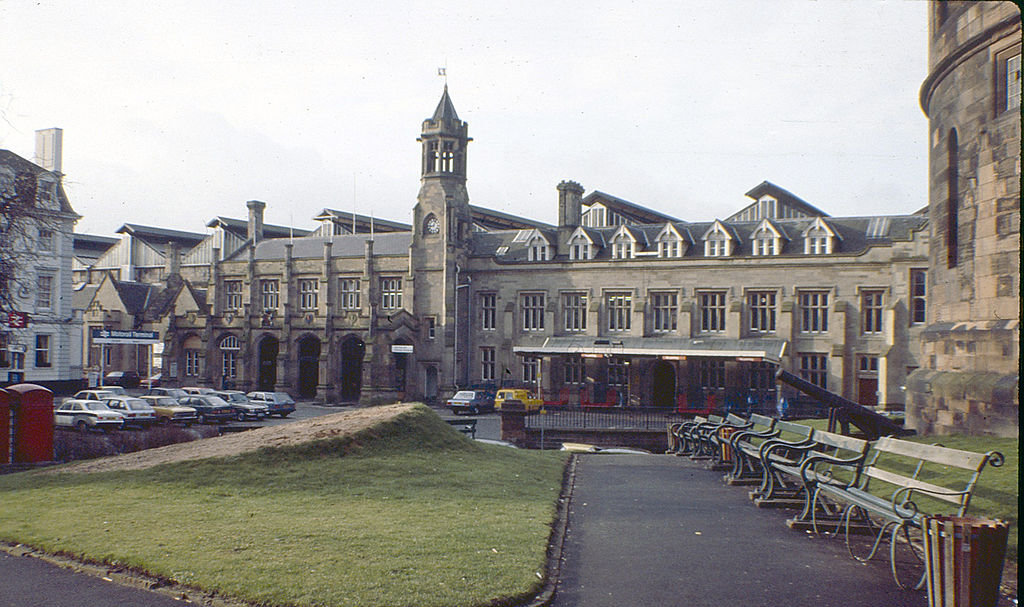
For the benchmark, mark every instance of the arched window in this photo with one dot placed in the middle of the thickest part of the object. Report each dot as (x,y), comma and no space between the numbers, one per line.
(229,348)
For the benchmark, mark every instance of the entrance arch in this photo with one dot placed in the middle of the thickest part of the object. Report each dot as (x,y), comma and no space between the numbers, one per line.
(309,366)
(663,384)
(268,350)
(352,351)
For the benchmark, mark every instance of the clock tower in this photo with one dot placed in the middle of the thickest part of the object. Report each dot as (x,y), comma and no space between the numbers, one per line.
(442,227)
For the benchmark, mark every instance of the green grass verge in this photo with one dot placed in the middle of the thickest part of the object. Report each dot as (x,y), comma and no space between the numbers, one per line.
(409,512)
(996,494)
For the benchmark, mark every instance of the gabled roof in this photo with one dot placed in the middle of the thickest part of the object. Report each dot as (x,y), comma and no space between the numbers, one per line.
(630,210)
(772,226)
(490,219)
(17,164)
(636,235)
(823,224)
(240,227)
(719,226)
(90,246)
(343,245)
(783,195)
(362,222)
(160,236)
(134,295)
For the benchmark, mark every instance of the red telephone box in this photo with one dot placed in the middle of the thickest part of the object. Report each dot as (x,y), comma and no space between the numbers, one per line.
(5,426)
(32,423)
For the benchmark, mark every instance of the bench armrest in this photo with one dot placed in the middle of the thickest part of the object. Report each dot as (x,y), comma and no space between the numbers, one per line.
(852,463)
(748,434)
(777,444)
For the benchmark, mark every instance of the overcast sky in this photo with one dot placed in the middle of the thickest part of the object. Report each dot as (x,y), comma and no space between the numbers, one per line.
(178,112)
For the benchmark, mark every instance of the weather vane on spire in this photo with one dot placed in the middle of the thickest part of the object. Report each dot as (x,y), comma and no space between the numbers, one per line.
(443,72)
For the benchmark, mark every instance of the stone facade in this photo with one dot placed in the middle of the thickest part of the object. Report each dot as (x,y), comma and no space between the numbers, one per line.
(971,348)
(627,305)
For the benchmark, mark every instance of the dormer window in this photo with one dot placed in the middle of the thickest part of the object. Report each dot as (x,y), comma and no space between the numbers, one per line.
(819,239)
(579,248)
(537,249)
(622,246)
(670,243)
(717,241)
(766,240)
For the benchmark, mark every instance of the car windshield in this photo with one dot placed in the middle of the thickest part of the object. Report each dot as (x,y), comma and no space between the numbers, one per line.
(465,394)
(216,401)
(166,402)
(96,406)
(235,398)
(177,393)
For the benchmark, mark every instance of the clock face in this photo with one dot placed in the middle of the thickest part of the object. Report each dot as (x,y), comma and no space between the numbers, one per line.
(433,226)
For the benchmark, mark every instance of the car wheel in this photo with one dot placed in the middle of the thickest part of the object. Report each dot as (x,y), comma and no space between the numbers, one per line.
(473,411)
(82,426)
(240,416)
(201,419)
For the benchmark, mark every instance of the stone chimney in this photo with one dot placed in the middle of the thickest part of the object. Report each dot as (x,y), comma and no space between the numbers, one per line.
(49,149)
(173,253)
(255,231)
(570,204)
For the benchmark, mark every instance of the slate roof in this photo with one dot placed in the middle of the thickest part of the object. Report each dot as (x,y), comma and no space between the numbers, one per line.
(632,210)
(445,108)
(82,296)
(362,221)
(20,165)
(159,237)
(854,234)
(90,246)
(240,227)
(347,245)
(491,219)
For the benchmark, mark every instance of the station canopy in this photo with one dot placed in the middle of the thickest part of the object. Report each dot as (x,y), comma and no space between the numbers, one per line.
(752,349)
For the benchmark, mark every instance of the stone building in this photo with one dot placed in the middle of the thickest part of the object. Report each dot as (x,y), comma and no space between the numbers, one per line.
(616,303)
(971,347)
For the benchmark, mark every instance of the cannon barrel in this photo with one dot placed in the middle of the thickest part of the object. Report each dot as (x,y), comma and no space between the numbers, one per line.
(872,424)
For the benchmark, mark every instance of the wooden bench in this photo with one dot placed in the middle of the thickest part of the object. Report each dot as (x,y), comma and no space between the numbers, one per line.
(697,436)
(940,477)
(466,426)
(678,435)
(788,446)
(746,470)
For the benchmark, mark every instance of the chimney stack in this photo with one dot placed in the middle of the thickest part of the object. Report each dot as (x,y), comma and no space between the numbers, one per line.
(173,258)
(49,149)
(570,204)
(255,231)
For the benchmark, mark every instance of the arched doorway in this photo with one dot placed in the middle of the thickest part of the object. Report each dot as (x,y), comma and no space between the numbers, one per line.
(309,366)
(430,388)
(663,384)
(267,364)
(352,351)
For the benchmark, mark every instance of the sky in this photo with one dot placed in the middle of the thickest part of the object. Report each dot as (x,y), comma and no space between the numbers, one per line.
(178,112)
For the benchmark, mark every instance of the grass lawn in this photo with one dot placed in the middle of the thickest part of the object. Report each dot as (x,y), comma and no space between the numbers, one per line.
(409,512)
(995,496)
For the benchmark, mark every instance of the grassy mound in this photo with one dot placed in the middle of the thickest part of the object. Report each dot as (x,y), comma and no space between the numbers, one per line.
(406,512)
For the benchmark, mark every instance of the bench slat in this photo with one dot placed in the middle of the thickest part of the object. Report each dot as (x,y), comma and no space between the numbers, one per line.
(932,453)
(913,483)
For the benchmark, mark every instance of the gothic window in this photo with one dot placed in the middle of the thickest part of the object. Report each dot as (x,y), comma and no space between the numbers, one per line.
(716,243)
(766,242)
(871,311)
(349,293)
(390,293)
(232,295)
(229,348)
(579,248)
(269,291)
(308,294)
(537,249)
(622,246)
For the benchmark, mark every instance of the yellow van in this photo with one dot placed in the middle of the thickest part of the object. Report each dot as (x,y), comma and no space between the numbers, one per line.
(531,402)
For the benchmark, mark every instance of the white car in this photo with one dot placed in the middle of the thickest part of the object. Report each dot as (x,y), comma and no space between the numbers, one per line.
(197,391)
(118,390)
(85,414)
(136,411)
(92,394)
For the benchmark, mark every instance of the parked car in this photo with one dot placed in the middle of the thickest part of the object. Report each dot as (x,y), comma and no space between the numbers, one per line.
(116,390)
(127,379)
(244,408)
(471,401)
(152,381)
(168,410)
(176,393)
(278,403)
(209,408)
(136,411)
(86,414)
(92,394)
(530,401)
(196,390)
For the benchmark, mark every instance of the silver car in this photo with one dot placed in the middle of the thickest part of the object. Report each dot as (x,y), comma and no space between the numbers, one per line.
(136,411)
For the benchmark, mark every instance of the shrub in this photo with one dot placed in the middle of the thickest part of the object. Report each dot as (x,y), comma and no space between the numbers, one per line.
(70,446)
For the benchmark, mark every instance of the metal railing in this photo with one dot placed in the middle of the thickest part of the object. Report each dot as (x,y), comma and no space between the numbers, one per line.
(606,418)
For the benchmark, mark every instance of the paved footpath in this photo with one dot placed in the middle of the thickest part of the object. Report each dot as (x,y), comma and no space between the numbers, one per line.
(657,530)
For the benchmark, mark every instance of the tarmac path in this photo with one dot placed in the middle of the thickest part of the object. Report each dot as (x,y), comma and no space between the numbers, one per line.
(657,530)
